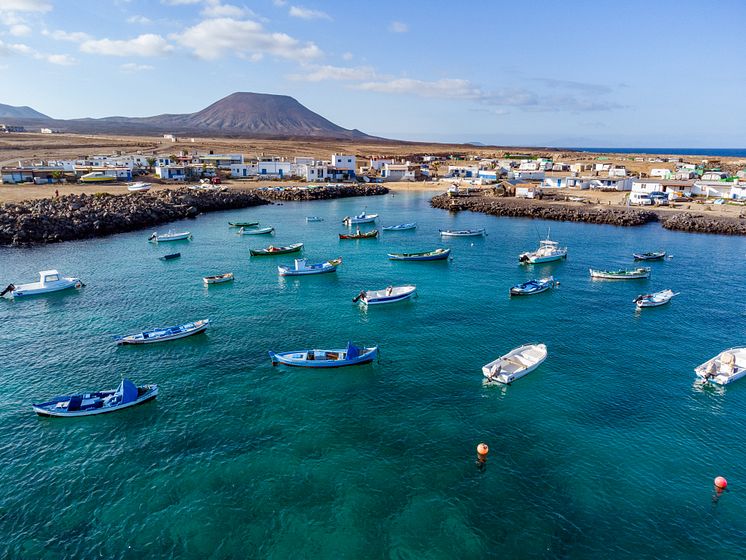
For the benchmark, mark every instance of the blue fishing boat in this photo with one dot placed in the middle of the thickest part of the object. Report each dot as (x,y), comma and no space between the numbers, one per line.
(350,356)
(400,227)
(164,334)
(100,402)
(533,287)
(436,255)
(301,267)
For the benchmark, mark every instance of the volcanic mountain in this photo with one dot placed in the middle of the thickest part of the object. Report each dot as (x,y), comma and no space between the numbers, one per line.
(10,112)
(239,114)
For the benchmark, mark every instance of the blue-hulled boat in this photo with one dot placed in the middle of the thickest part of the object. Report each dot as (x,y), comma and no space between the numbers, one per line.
(164,334)
(533,287)
(100,402)
(350,356)
(436,255)
(400,227)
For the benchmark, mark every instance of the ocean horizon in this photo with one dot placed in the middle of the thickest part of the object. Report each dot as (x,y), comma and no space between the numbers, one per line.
(720,152)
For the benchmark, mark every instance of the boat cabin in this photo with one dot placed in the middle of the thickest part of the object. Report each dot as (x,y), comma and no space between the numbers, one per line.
(47,276)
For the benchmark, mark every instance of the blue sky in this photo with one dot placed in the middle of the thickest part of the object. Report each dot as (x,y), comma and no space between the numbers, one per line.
(572,73)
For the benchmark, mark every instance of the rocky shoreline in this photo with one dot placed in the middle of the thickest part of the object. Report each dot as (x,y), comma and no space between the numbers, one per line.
(513,207)
(83,216)
(320,192)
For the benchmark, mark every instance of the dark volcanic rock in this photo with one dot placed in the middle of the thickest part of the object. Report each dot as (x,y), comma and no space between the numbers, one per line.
(699,223)
(321,192)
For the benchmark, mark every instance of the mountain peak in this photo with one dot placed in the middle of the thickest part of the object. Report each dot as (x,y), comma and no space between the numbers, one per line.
(24,112)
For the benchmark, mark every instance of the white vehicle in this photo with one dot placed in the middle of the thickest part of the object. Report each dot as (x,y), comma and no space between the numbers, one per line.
(640,199)
(49,281)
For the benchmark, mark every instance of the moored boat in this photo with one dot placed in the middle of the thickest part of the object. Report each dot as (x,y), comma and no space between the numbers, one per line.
(434,255)
(164,334)
(272,250)
(623,274)
(463,232)
(139,187)
(548,251)
(49,281)
(314,219)
(243,224)
(99,402)
(651,256)
(392,294)
(255,231)
(97,177)
(359,235)
(362,218)
(654,300)
(533,287)
(170,236)
(725,368)
(400,227)
(515,364)
(350,356)
(302,268)
(170,256)
(218,278)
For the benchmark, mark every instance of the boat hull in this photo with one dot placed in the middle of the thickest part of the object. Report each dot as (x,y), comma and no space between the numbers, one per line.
(243,224)
(465,233)
(171,237)
(603,275)
(138,339)
(538,260)
(649,256)
(369,235)
(379,297)
(28,290)
(277,251)
(294,359)
(719,377)
(420,256)
(511,373)
(47,413)
(259,231)
(218,279)
(402,227)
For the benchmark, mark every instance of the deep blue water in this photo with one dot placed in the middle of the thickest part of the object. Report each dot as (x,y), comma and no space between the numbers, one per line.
(720,152)
(608,450)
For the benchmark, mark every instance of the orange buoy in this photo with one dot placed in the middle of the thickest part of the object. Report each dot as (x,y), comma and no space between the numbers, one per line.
(482,449)
(721,483)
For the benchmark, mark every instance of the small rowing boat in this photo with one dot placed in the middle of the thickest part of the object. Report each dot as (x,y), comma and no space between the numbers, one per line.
(652,256)
(463,232)
(243,224)
(360,219)
(170,256)
(359,235)
(654,300)
(435,255)
(99,402)
(623,274)
(725,368)
(302,268)
(164,334)
(49,281)
(515,364)
(218,279)
(139,187)
(392,294)
(170,236)
(272,250)
(350,356)
(314,219)
(400,227)
(255,231)
(533,287)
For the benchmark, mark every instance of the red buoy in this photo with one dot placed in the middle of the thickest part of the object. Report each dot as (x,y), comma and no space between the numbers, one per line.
(721,483)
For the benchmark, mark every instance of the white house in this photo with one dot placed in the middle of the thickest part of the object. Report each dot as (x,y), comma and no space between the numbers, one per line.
(618,172)
(175,172)
(646,186)
(273,169)
(346,162)
(714,176)
(527,175)
(463,171)
(244,170)
(660,172)
(488,175)
(378,164)
(719,189)
(611,183)
(567,182)
(397,172)
(738,191)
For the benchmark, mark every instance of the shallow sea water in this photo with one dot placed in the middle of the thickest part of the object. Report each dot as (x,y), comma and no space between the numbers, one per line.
(608,450)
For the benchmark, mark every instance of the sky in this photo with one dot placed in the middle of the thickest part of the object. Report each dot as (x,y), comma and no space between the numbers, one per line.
(576,73)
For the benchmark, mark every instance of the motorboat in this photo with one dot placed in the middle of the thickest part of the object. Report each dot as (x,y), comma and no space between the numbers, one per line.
(434,255)
(272,250)
(126,395)
(255,231)
(164,334)
(533,287)
(515,364)
(243,224)
(463,232)
(302,268)
(652,256)
(623,274)
(548,251)
(654,300)
(218,279)
(360,219)
(170,236)
(49,281)
(314,219)
(350,356)
(139,187)
(725,368)
(392,294)
(359,235)
(400,227)
(170,256)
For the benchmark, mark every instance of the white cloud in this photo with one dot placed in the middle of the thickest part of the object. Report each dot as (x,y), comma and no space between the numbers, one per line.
(139,20)
(307,13)
(279,3)
(180,2)
(20,30)
(347,56)
(325,73)
(447,88)
(7,49)
(25,5)
(148,44)
(74,36)
(60,59)
(217,10)
(212,38)
(398,27)
(131,67)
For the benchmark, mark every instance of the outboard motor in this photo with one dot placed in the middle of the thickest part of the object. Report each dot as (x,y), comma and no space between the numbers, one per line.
(10,288)
(357,297)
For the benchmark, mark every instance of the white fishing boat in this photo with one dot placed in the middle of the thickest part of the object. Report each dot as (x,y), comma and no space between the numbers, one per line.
(170,236)
(218,279)
(255,231)
(360,219)
(392,294)
(49,281)
(99,402)
(623,274)
(463,232)
(314,219)
(725,368)
(400,227)
(654,300)
(139,187)
(515,364)
(548,251)
(302,268)
(165,333)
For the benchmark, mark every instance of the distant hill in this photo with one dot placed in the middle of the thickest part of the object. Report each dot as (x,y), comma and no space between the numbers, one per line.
(239,114)
(10,112)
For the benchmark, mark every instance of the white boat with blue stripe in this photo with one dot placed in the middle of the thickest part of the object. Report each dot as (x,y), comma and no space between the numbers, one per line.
(49,281)
(400,227)
(392,294)
(350,356)
(100,402)
(164,334)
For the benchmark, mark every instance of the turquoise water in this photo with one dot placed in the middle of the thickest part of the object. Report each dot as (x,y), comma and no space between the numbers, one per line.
(608,450)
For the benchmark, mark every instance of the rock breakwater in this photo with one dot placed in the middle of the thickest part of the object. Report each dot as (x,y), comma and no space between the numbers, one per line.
(83,216)
(699,223)
(320,192)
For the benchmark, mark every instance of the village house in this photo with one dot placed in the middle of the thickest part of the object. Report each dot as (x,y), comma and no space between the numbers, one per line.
(35,174)
(565,182)
(610,183)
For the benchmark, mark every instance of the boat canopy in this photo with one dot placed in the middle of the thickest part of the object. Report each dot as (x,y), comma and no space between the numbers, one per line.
(352,351)
(127,390)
